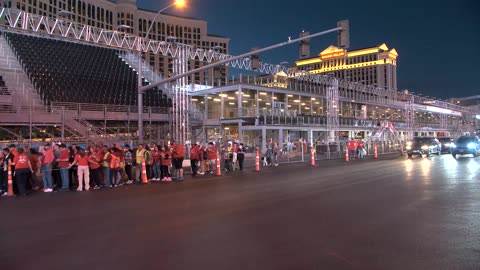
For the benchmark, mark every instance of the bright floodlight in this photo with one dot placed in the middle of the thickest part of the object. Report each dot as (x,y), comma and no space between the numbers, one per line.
(180,3)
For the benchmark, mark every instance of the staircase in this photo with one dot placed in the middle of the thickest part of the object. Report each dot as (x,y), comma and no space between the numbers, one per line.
(16,80)
(147,72)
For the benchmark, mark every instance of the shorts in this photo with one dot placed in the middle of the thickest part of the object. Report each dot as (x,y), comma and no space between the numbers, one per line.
(178,163)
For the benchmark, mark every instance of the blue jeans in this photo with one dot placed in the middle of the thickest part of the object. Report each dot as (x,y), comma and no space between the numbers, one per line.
(65,178)
(106,178)
(157,172)
(116,176)
(47,176)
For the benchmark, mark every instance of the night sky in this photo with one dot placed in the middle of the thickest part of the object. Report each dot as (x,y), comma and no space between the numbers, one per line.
(438,44)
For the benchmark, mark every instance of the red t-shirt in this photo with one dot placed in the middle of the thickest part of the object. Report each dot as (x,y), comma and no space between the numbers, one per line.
(166,158)
(81,161)
(48,157)
(94,161)
(34,162)
(156,156)
(195,153)
(64,154)
(177,151)
(21,161)
(212,153)
(352,145)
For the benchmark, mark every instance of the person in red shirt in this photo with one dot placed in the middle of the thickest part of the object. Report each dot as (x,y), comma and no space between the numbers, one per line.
(83,173)
(47,160)
(94,165)
(177,155)
(212,157)
(157,167)
(35,161)
(352,148)
(203,159)
(166,161)
(194,158)
(360,146)
(62,162)
(115,167)
(23,170)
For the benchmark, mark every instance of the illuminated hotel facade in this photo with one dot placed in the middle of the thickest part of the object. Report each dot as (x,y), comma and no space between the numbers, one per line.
(371,66)
(125,16)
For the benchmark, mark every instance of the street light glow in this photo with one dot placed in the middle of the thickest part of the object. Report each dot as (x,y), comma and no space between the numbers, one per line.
(180,3)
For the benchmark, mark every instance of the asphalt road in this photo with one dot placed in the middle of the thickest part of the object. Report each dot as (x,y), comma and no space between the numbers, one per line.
(393,213)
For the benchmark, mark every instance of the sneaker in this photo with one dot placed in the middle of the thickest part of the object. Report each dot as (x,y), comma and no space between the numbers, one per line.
(79,189)
(121,184)
(4,194)
(49,189)
(201,173)
(169,179)
(164,179)
(129,182)
(96,187)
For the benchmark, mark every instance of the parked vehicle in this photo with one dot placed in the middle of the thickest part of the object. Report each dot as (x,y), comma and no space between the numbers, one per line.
(466,145)
(446,143)
(423,146)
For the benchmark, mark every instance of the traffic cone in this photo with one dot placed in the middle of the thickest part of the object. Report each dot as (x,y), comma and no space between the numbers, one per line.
(144,172)
(375,151)
(313,157)
(10,181)
(346,154)
(257,161)
(219,171)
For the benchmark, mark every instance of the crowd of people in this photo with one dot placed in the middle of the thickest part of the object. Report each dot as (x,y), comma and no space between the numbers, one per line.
(356,149)
(96,166)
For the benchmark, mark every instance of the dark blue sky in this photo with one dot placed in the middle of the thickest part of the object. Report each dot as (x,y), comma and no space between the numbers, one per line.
(438,44)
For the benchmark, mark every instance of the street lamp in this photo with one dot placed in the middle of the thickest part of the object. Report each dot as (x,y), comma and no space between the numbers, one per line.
(178,3)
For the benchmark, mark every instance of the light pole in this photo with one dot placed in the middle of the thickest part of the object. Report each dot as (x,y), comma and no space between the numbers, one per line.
(178,3)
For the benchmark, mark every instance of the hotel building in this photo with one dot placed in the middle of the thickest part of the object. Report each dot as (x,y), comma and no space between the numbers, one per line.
(371,66)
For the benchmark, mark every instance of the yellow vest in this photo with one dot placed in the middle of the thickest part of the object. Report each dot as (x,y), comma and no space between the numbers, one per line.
(139,156)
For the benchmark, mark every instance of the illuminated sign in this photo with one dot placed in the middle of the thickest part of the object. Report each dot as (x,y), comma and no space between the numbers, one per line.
(332,55)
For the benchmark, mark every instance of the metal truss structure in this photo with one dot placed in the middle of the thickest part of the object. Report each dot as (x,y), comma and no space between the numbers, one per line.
(332,111)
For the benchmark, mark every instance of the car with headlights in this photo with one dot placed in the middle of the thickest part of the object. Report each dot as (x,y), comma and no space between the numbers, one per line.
(446,142)
(424,146)
(466,145)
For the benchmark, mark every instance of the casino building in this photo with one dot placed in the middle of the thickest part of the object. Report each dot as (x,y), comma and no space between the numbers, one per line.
(375,65)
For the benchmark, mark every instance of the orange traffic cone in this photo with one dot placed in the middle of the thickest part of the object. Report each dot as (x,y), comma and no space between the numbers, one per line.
(144,172)
(10,182)
(313,157)
(257,161)
(346,154)
(375,151)
(219,171)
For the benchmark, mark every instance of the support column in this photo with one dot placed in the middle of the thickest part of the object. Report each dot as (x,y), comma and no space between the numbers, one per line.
(280,137)
(264,139)
(240,132)
(310,137)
